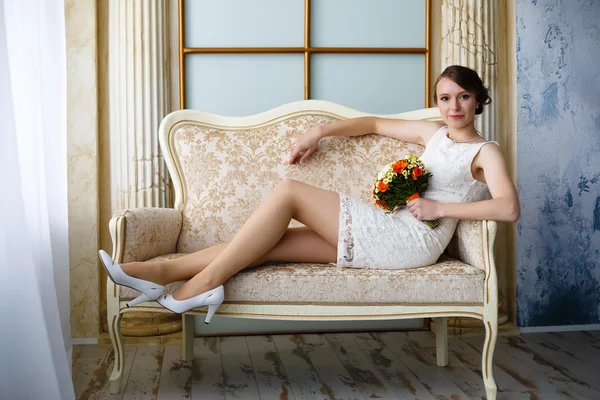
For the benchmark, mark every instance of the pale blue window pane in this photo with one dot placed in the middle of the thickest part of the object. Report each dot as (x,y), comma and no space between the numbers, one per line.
(244,23)
(243,84)
(375,83)
(373,23)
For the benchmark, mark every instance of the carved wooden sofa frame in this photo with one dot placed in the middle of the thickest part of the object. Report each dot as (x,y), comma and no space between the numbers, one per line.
(147,233)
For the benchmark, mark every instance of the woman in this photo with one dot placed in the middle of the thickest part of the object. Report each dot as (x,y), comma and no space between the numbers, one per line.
(340,229)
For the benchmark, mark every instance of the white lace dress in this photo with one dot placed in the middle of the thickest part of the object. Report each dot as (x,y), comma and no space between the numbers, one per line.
(370,238)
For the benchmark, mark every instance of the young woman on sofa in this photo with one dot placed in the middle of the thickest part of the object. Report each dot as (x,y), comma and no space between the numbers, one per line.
(465,167)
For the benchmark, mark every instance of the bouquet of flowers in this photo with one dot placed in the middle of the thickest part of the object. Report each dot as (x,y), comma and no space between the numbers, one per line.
(400,182)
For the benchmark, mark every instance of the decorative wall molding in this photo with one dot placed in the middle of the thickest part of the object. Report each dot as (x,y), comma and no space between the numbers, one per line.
(469,38)
(139,98)
(82,157)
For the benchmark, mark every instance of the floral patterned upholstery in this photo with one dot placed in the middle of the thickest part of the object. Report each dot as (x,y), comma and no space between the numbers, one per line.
(467,243)
(450,281)
(149,232)
(227,173)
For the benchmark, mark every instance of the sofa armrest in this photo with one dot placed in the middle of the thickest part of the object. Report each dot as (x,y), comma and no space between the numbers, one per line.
(139,234)
(473,244)
(467,244)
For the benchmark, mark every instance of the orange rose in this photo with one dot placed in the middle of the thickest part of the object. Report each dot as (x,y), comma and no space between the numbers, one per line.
(399,166)
(382,186)
(416,172)
(413,196)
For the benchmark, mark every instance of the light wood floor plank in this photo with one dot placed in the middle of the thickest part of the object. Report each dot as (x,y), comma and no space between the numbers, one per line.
(302,376)
(523,369)
(369,380)
(144,377)
(507,365)
(574,348)
(175,376)
(348,366)
(469,357)
(593,336)
(76,351)
(551,369)
(465,376)
(271,377)
(576,351)
(238,374)
(508,386)
(102,388)
(585,375)
(586,337)
(425,339)
(464,368)
(207,369)
(428,374)
(333,375)
(88,369)
(404,383)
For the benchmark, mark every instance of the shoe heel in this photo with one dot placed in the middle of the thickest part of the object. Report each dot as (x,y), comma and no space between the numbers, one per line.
(212,309)
(140,299)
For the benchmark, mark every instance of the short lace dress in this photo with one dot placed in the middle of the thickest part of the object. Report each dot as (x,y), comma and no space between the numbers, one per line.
(370,238)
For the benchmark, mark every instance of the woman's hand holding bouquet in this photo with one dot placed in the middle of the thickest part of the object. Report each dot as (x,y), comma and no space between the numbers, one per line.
(399,183)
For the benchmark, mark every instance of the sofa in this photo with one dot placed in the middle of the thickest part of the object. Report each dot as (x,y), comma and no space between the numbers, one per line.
(223,167)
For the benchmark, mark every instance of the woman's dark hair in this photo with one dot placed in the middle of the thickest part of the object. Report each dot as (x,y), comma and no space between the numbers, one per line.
(467,79)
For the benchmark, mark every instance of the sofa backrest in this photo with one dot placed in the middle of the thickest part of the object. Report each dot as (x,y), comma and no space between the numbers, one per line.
(222,168)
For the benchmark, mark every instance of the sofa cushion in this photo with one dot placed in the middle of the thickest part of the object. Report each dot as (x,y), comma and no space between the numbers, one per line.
(449,281)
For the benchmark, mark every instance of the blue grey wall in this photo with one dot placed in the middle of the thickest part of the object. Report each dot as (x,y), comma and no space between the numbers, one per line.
(558,134)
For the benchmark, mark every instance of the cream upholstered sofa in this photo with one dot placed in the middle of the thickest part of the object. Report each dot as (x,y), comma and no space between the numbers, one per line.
(222,168)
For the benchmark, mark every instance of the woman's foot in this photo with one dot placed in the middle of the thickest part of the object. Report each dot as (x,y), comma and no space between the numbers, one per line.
(149,290)
(212,298)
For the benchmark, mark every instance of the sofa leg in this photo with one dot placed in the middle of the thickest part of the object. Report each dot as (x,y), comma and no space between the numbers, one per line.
(491,333)
(188,337)
(441,340)
(114,330)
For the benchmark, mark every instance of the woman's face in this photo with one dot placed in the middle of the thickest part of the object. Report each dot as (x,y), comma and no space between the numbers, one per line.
(457,106)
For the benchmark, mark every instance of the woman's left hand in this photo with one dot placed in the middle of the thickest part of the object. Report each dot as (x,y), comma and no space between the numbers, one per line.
(424,209)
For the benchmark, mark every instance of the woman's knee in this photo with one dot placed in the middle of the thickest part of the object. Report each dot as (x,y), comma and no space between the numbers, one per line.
(287,187)
(287,184)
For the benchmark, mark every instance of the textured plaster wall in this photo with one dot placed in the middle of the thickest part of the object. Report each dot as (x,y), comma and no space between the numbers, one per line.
(558,133)
(82,140)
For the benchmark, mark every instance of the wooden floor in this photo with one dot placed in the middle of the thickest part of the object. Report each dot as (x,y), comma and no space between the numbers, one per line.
(397,365)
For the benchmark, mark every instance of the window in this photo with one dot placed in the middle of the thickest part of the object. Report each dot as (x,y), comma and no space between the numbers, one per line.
(240,57)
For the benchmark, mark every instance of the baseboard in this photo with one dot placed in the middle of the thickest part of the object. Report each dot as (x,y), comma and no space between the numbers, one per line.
(506,329)
(560,328)
(79,341)
(170,339)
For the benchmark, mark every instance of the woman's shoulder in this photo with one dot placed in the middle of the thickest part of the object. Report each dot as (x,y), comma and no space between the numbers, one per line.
(436,130)
(489,146)
(489,154)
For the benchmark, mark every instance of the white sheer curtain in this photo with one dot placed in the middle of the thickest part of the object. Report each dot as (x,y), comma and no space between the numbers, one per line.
(35,337)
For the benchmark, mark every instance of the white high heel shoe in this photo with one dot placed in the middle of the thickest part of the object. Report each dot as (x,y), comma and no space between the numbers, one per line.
(150,290)
(212,298)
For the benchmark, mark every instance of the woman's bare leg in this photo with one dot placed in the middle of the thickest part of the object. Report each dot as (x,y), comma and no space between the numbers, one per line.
(164,272)
(316,208)
(297,245)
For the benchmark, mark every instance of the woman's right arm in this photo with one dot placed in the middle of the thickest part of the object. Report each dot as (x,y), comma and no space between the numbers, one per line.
(414,131)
